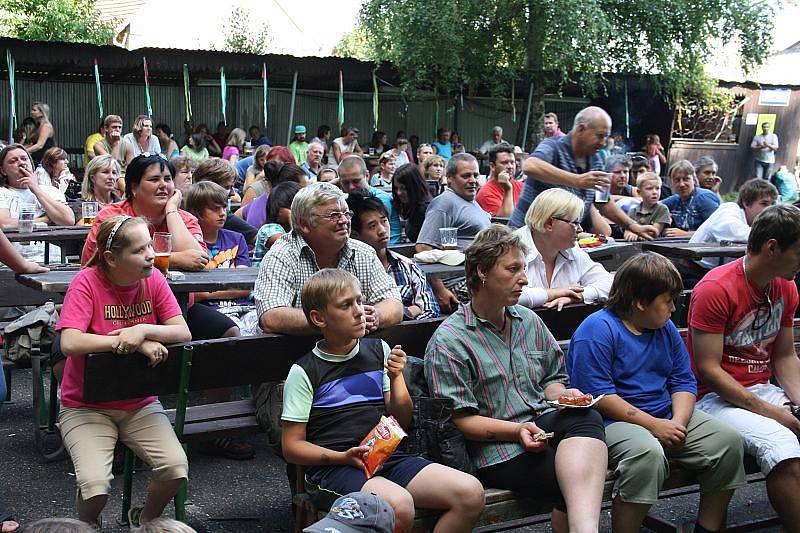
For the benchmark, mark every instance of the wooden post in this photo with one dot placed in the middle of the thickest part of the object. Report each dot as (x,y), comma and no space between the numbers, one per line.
(291,109)
(527,119)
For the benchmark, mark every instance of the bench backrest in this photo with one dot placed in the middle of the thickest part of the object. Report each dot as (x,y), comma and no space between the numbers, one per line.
(223,362)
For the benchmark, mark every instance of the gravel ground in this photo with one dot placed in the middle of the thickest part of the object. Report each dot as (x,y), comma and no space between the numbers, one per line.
(246,496)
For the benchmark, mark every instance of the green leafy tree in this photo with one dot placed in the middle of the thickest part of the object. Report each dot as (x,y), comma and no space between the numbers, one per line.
(445,45)
(355,44)
(55,20)
(243,35)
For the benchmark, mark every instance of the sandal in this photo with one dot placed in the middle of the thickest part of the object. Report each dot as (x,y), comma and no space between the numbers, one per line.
(134,516)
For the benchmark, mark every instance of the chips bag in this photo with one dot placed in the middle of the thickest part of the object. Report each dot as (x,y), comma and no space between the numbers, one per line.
(383,440)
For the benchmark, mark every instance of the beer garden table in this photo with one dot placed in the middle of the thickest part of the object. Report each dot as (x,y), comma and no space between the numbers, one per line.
(58,235)
(695,251)
(203,281)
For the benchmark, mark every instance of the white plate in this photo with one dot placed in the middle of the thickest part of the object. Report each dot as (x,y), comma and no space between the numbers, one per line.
(555,403)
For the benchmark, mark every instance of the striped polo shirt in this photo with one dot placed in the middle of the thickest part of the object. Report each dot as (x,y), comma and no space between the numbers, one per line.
(468,361)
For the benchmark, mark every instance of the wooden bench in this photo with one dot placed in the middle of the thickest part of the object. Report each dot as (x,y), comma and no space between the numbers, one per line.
(203,365)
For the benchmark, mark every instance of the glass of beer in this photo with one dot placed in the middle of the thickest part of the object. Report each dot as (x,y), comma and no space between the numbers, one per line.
(162,246)
(449,237)
(89,211)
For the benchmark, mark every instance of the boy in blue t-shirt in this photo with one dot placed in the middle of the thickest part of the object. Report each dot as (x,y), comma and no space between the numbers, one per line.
(336,394)
(633,354)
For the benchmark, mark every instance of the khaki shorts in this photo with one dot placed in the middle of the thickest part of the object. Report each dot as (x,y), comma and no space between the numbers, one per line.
(712,449)
(91,434)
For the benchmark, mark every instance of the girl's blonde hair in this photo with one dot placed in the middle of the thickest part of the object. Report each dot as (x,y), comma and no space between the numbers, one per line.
(113,236)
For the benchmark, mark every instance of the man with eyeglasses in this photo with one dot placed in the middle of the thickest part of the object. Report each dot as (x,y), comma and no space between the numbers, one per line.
(741,336)
(571,162)
(320,238)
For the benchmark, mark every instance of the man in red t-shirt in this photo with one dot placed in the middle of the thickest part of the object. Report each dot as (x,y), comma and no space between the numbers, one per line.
(740,335)
(501,192)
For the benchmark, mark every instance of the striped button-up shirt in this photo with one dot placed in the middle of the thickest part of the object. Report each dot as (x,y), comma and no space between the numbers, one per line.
(413,285)
(468,361)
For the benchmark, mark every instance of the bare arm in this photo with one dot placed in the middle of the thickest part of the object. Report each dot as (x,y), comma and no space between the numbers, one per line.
(398,400)
(544,171)
(668,432)
(786,365)
(390,312)
(45,132)
(57,212)
(13,260)
(707,350)
(75,342)
(613,212)
(287,320)
(99,149)
(297,450)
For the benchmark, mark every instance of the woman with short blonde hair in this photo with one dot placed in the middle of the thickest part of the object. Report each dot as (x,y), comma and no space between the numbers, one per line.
(559,272)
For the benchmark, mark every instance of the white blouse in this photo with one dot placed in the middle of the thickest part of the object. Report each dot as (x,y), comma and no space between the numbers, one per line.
(573,267)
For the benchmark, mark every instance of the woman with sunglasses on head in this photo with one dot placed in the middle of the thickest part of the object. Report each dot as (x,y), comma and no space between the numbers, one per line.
(141,139)
(559,272)
(119,303)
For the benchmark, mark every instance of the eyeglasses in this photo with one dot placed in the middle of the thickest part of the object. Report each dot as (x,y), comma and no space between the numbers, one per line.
(767,314)
(335,216)
(574,223)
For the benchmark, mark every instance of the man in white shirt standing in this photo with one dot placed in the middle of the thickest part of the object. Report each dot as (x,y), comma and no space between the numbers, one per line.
(764,146)
(497,138)
(731,221)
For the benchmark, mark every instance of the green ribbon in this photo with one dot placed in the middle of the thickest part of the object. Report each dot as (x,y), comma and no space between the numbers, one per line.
(627,114)
(375,100)
(341,101)
(97,84)
(264,78)
(187,94)
(223,90)
(13,97)
(147,88)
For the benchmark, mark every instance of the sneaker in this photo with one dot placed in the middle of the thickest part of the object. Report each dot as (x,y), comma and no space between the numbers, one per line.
(228,447)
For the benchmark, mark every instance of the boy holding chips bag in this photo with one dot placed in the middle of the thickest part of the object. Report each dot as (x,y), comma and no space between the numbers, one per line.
(334,397)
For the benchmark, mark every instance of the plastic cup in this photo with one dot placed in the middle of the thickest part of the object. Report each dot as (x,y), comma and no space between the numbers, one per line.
(449,238)
(162,246)
(603,195)
(88,212)
(26,215)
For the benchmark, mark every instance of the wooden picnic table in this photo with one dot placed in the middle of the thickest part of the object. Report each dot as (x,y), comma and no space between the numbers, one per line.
(59,235)
(695,251)
(203,281)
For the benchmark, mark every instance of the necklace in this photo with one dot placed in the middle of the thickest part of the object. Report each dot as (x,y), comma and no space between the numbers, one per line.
(747,283)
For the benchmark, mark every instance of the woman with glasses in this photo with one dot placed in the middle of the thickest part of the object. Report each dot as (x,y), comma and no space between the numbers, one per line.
(559,272)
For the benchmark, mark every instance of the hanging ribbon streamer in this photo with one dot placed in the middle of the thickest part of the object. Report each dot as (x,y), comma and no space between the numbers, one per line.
(341,101)
(147,88)
(513,102)
(264,79)
(436,106)
(187,94)
(627,114)
(375,100)
(461,96)
(223,94)
(12,108)
(97,83)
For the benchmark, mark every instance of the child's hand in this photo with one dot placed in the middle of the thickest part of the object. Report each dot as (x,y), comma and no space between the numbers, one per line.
(354,456)
(396,362)
(128,339)
(156,352)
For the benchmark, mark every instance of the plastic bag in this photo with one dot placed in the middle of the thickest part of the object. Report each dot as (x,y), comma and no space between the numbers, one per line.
(383,440)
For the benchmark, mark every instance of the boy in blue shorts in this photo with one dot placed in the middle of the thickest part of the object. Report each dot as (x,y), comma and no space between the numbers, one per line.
(338,392)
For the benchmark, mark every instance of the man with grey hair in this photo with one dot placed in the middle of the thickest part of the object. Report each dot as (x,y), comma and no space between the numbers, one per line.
(320,238)
(354,176)
(454,208)
(311,166)
(497,138)
(572,163)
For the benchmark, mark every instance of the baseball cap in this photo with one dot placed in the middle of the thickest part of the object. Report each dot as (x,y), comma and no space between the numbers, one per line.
(357,512)
(299,129)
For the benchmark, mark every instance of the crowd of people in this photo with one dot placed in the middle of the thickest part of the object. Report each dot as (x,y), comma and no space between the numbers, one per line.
(319,220)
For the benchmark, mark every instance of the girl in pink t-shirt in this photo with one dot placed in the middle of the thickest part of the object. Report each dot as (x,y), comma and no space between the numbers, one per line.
(119,304)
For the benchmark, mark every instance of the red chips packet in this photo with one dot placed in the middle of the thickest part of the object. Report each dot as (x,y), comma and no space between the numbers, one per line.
(383,440)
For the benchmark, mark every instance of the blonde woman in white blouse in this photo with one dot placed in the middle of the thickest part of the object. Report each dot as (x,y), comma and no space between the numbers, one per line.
(559,272)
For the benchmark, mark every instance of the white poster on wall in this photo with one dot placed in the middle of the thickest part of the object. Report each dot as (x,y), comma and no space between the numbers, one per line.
(751,119)
(774,97)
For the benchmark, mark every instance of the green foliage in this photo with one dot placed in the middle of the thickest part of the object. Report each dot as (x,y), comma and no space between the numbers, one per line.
(54,20)
(448,44)
(242,35)
(354,44)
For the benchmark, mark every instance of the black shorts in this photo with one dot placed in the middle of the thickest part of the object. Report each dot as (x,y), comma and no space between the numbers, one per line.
(207,323)
(400,468)
(534,474)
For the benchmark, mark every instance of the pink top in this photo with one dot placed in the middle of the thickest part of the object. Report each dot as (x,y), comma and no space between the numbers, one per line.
(228,152)
(93,305)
